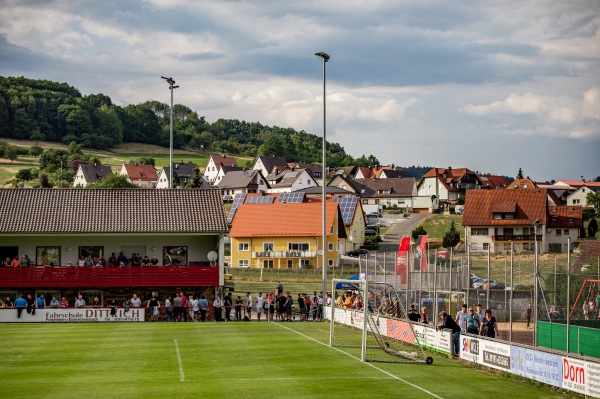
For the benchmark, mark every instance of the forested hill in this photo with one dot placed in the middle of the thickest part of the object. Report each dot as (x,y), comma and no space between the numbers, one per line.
(51,111)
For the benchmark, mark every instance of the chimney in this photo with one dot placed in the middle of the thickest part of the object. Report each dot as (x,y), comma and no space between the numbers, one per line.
(582,179)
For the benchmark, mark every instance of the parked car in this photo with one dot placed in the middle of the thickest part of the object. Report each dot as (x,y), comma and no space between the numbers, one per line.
(375,214)
(370,233)
(358,252)
(227,198)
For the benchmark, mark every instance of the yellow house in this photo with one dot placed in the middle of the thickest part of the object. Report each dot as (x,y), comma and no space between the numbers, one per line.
(285,235)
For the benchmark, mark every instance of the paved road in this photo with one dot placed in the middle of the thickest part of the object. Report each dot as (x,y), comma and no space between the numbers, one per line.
(401,226)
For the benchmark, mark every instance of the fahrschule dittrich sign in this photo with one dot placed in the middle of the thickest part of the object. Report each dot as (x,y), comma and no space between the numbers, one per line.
(72,315)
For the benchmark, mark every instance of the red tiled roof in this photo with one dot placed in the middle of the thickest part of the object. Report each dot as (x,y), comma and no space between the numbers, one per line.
(223,160)
(141,172)
(283,220)
(579,183)
(521,183)
(366,172)
(565,216)
(481,204)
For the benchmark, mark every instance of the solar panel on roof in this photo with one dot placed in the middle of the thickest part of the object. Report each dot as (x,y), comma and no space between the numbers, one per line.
(260,200)
(347,207)
(290,198)
(237,201)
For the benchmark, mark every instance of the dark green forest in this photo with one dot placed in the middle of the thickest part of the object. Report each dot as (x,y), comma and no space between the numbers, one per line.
(42,110)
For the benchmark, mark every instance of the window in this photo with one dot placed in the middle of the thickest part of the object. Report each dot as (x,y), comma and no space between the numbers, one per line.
(298,246)
(558,232)
(570,220)
(268,247)
(243,247)
(526,246)
(566,232)
(509,231)
(508,216)
(290,264)
(243,263)
(485,246)
(576,202)
(473,246)
(497,216)
(304,263)
(507,246)
(299,181)
(482,231)
(365,201)
(330,262)
(330,246)
(268,264)
(527,231)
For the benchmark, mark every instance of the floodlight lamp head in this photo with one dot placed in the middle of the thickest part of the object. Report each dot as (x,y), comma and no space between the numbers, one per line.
(537,222)
(323,55)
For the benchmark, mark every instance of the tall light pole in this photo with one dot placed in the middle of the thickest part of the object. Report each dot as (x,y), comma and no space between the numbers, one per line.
(536,223)
(172,86)
(324,57)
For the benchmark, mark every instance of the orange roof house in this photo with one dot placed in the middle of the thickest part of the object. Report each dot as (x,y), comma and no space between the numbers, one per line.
(142,175)
(285,235)
(497,218)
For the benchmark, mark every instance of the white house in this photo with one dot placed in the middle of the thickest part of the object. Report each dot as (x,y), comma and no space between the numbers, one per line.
(89,173)
(243,182)
(266,164)
(215,163)
(290,181)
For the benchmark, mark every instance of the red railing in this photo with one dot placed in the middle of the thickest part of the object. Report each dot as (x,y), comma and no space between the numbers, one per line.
(63,276)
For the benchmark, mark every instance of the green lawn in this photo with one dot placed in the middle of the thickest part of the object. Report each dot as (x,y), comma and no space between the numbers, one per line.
(214,360)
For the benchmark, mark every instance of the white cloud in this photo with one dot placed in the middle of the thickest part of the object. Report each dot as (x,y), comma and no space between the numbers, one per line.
(527,103)
(591,103)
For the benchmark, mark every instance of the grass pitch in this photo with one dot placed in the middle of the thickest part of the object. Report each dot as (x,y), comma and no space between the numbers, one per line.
(215,360)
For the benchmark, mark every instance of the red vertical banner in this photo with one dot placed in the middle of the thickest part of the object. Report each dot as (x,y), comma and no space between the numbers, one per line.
(420,262)
(402,259)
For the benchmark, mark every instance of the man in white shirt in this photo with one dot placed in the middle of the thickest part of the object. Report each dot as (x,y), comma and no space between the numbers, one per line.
(460,318)
(135,301)
(259,305)
(249,305)
(79,302)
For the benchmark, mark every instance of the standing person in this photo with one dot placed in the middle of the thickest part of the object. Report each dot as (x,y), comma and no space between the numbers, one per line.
(154,261)
(239,304)
(249,305)
(479,315)
(145,261)
(449,323)
(79,302)
(169,308)
(153,305)
(527,315)
(270,307)
(64,303)
(281,312)
(9,304)
(177,307)
(88,261)
(218,306)
(96,303)
(289,306)
(460,317)
(228,304)
(471,325)
(122,259)
(413,315)
(424,316)
(203,307)
(598,303)
(41,302)
(586,310)
(113,307)
(259,305)
(20,304)
(25,261)
(54,303)
(184,305)
(488,327)
(302,307)
(195,308)
(135,301)
(112,261)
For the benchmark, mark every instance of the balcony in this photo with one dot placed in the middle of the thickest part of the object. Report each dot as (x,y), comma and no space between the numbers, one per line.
(284,254)
(68,276)
(517,237)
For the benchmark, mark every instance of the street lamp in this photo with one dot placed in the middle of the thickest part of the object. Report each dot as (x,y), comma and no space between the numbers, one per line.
(172,86)
(536,223)
(324,57)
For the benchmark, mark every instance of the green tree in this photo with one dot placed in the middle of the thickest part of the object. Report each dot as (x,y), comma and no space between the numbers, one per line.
(196,180)
(520,174)
(593,200)
(460,201)
(45,181)
(11,152)
(35,151)
(451,238)
(419,231)
(113,181)
(24,175)
(143,161)
(52,159)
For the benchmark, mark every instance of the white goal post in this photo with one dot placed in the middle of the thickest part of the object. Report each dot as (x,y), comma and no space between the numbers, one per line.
(357,323)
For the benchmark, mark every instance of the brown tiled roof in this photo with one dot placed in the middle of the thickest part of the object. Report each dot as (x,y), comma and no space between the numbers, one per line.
(398,187)
(579,183)
(492,182)
(141,172)
(223,160)
(481,204)
(366,172)
(522,183)
(93,211)
(565,216)
(284,220)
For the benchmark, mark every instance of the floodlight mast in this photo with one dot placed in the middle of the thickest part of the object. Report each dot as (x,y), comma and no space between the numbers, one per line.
(536,223)
(324,57)
(172,86)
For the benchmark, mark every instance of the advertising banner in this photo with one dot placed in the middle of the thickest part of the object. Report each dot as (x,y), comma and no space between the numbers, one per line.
(72,315)
(469,348)
(592,382)
(430,338)
(539,366)
(574,375)
(494,354)
(400,330)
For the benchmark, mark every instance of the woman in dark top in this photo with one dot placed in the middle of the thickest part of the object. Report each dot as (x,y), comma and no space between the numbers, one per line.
(488,327)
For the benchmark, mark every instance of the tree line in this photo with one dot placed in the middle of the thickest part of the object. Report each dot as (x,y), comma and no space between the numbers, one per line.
(42,110)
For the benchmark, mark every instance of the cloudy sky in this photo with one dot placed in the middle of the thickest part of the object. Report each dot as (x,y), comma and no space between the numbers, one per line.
(493,86)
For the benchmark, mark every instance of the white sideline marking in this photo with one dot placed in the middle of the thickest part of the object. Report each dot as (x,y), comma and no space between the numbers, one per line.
(368,364)
(297,379)
(181,376)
